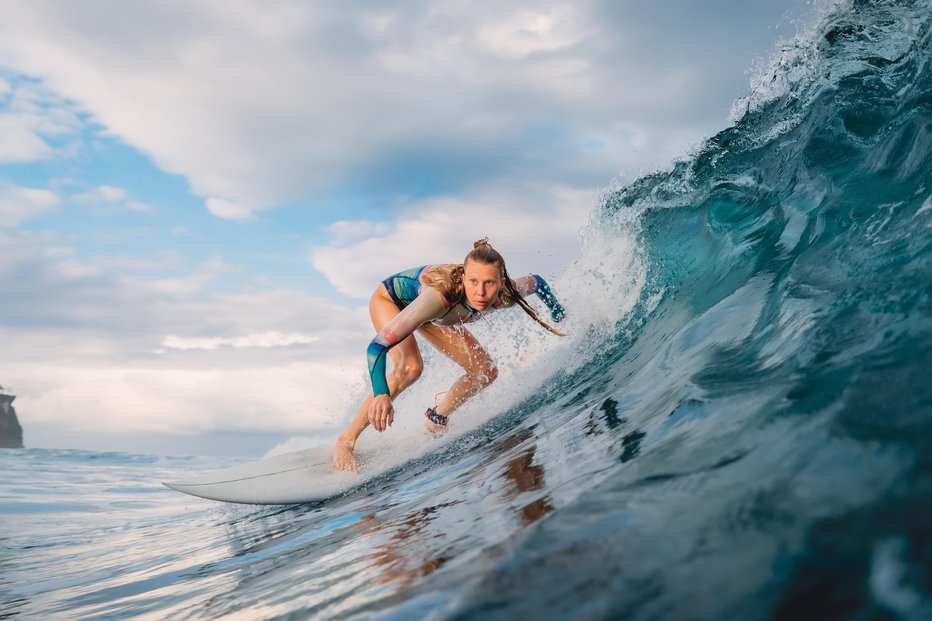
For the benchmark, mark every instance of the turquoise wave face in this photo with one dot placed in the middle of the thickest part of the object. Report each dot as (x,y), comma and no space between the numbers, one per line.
(811,220)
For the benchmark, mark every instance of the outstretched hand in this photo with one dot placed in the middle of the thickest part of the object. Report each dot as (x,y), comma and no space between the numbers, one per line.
(557,313)
(381,412)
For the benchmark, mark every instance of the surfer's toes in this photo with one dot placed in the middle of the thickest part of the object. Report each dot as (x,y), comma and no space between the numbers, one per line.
(345,466)
(343,459)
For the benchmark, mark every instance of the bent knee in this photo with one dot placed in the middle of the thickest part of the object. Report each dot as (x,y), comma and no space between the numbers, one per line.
(485,373)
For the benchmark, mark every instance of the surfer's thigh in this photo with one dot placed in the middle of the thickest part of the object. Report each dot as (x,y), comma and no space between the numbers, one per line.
(459,345)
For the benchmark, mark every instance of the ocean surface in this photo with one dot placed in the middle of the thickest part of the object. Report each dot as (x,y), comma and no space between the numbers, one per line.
(740,426)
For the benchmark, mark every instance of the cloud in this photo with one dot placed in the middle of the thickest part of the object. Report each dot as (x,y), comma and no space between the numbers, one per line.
(103,196)
(137,353)
(30,117)
(257,105)
(20,142)
(19,204)
(533,227)
(228,210)
(139,206)
(146,398)
(344,231)
(264,340)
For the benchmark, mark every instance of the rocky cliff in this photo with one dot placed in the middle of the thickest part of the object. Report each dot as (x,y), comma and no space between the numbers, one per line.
(11,433)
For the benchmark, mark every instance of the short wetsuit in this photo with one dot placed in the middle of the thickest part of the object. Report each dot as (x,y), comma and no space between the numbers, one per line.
(420,304)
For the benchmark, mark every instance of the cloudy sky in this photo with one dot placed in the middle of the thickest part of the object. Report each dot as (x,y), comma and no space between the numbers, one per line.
(197,199)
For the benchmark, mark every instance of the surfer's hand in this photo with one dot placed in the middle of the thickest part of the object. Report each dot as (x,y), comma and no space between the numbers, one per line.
(381,413)
(557,312)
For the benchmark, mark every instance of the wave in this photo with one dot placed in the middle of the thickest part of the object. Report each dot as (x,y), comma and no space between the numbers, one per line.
(769,391)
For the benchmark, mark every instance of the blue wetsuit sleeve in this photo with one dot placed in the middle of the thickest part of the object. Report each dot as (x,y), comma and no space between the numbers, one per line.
(376,354)
(537,285)
(428,305)
(544,292)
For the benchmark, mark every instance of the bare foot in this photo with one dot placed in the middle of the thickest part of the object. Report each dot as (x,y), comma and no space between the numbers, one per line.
(343,458)
(433,428)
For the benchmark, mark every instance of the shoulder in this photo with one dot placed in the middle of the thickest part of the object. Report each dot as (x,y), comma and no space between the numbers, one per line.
(433,300)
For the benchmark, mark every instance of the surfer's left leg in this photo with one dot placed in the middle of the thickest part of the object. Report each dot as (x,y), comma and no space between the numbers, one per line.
(407,365)
(458,344)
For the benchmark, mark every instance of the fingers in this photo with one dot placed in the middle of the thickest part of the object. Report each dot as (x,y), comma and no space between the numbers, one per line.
(388,415)
(381,413)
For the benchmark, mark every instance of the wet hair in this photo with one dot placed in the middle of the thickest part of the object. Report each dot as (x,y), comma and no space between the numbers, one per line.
(483,252)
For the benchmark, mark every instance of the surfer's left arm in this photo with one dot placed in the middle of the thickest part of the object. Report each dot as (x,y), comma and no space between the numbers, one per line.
(532,283)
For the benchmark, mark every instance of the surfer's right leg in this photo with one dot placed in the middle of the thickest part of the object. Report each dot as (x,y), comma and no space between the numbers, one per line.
(407,366)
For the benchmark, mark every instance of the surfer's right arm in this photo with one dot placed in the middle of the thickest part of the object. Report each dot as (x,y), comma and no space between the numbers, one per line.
(427,306)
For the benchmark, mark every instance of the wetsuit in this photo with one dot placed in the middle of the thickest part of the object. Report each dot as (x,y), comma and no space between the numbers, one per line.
(420,304)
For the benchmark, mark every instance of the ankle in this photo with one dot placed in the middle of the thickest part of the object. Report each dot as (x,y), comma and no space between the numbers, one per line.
(437,419)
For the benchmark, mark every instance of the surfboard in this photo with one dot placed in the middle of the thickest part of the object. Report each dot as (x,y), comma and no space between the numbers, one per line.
(292,478)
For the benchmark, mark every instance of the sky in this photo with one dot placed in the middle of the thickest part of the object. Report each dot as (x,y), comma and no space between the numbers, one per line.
(197,199)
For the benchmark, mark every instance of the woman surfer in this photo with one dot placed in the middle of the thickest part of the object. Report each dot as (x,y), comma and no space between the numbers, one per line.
(436,301)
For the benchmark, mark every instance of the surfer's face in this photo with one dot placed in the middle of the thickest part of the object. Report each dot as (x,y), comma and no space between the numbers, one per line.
(482,282)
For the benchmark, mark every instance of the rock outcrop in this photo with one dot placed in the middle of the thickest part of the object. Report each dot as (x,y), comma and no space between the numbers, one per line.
(11,433)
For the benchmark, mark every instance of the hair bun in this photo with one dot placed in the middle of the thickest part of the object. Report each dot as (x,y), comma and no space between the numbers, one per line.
(482,242)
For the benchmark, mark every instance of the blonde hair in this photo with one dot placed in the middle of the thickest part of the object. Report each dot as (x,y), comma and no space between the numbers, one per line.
(448,279)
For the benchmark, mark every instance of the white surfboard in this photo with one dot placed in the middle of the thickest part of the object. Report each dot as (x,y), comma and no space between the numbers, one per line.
(302,476)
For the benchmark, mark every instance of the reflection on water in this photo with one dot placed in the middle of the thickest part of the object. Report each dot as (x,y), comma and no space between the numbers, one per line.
(631,444)
(607,419)
(413,544)
(403,557)
(526,476)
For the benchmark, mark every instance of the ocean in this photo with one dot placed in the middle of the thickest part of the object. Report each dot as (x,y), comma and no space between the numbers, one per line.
(739,427)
